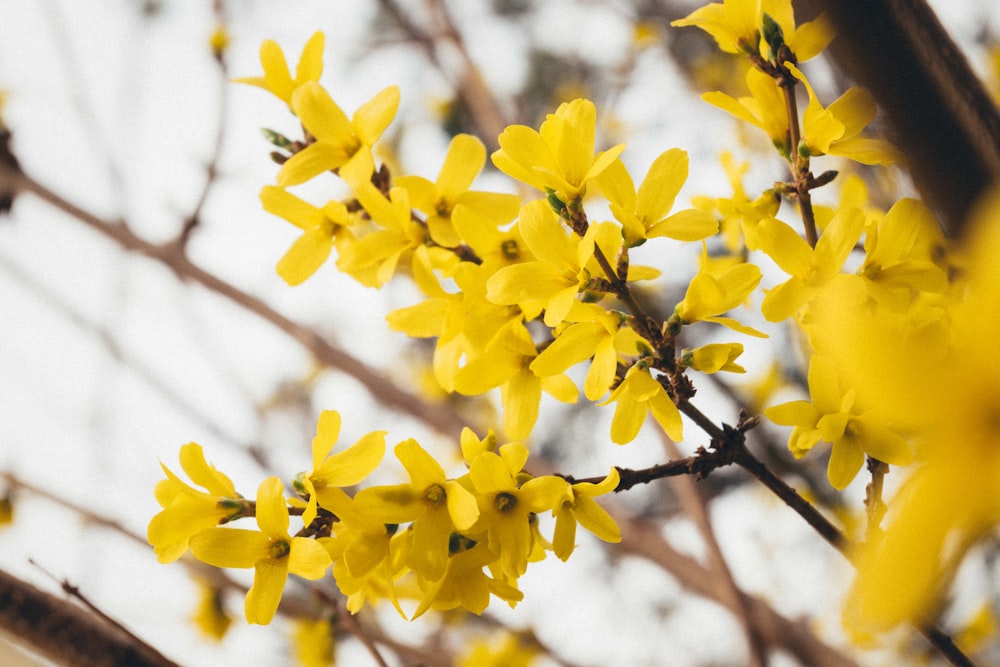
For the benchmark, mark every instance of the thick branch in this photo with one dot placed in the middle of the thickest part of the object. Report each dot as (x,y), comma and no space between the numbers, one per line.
(67,633)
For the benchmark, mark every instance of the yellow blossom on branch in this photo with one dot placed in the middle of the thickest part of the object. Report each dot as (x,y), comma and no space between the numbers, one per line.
(645,213)
(559,157)
(187,510)
(272,552)
(322,229)
(450,194)
(836,129)
(340,143)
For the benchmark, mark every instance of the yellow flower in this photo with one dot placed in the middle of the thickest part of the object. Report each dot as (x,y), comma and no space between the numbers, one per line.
(581,508)
(341,143)
(736,25)
(506,363)
(592,333)
(314,642)
(763,108)
(322,229)
(936,371)
(332,471)
(434,504)
(465,584)
(186,510)
(811,269)
(836,129)
(559,157)
(211,616)
(833,415)
(898,263)
(272,552)
(277,79)
(637,396)
(708,296)
(505,506)
(644,214)
(373,258)
(450,194)
(511,651)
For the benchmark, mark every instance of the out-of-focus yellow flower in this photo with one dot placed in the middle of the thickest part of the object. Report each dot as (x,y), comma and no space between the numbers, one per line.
(314,642)
(210,616)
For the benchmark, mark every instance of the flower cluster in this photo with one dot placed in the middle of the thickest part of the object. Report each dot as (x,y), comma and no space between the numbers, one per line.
(445,542)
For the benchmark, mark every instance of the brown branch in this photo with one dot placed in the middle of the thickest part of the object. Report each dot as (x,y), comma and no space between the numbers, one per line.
(67,633)
(172,256)
(643,538)
(469,83)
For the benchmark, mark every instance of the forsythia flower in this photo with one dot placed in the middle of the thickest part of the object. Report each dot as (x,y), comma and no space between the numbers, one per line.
(559,157)
(314,642)
(764,108)
(272,552)
(322,229)
(433,503)
(736,25)
(341,143)
(644,213)
(186,510)
(709,296)
(277,79)
(211,617)
(591,333)
(637,396)
(581,508)
(834,416)
(450,195)
(505,506)
(811,269)
(714,357)
(835,130)
(332,471)
(937,372)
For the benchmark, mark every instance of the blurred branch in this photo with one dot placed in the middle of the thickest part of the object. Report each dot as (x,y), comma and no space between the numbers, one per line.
(468,81)
(644,538)
(69,634)
(172,255)
(695,507)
